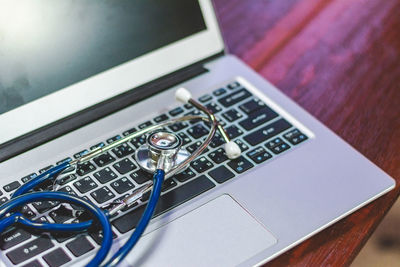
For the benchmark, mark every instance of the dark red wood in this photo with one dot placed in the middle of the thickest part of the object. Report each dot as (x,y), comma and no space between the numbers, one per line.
(340,60)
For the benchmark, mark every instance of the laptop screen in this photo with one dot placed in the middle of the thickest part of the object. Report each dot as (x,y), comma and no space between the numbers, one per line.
(47,45)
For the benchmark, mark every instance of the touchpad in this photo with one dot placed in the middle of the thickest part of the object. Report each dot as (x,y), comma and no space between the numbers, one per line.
(219,233)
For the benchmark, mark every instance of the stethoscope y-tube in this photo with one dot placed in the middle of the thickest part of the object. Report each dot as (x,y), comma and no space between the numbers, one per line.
(162,155)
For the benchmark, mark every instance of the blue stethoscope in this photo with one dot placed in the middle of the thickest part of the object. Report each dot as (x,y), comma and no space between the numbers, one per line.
(162,155)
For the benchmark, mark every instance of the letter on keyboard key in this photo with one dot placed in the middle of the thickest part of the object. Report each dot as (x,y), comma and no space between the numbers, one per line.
(29,250)
(267,132)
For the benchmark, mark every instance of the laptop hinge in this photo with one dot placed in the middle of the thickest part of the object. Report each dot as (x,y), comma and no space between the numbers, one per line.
(56,129)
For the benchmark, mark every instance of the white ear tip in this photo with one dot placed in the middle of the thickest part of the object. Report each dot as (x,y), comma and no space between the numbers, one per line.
(183,95)
(232,150)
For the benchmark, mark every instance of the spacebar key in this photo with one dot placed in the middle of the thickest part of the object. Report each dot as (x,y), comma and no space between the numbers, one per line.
(167,201)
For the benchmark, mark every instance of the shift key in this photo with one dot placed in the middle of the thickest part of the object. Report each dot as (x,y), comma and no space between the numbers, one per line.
(267,132)
(29,250)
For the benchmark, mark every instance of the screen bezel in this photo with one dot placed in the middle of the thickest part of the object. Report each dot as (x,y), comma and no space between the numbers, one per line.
(115,81)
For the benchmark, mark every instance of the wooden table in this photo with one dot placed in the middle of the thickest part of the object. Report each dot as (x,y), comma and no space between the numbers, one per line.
(340,60)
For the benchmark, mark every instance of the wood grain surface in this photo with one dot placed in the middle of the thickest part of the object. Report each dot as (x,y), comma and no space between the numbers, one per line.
(340,60)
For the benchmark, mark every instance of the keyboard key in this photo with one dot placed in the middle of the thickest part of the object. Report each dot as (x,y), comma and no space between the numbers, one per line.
(240,164)
(168,184)
(102,195)
(219,92)
(176,111)
(216,141)
(45,169)
(56,258)
(122,185)
(69,190)
(103,159)
(295,137)
(30,250)
(194,113)
(34,263)
(167,201)
(233,85)
(99,145)
(124,166)
(259,155)
(233,131)
(205,98)
(66,179)
(194,146)
(61,237)
(27,212)
(188,106)
(280,148)
(41,219)
(234,98)
(141,176)
(85,168)
(218,156)
(267,132)
(27,178)
(185,139)
(145,124)
(161,118)
(61,214)
(274,142)
(123,150)
(98,236)
(64,160)
(258,118)
(252,106)
(11,186)
(221,174)
(137,142)
(197,131)
(43,206)
(80,246)
(232,115)
(130,131)
(113,139)
(3,200)
(105,175)
(126,208)
(80,154)
(213,107)
(13,238)
(201,165)
(243,147)
(85,185)
(178,126)
(185,175)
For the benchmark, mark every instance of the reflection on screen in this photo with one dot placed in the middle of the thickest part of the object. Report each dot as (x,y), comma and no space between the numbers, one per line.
(46,45)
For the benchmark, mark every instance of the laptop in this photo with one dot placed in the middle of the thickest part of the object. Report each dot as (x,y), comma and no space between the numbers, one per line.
(76,75)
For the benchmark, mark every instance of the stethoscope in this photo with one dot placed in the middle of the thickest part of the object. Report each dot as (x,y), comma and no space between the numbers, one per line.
(162,155)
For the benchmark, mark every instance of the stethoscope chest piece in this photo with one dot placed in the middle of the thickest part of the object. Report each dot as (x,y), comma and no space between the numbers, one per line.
(161,143)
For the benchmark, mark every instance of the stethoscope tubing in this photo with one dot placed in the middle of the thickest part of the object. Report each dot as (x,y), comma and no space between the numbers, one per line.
(17,217)
(22,197)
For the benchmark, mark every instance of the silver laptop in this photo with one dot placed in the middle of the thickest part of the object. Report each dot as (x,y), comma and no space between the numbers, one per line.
(75,75)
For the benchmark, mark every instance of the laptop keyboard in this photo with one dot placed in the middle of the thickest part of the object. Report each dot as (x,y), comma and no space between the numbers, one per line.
(261,133)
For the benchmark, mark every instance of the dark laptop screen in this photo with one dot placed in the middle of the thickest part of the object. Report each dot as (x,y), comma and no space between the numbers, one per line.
(46,45)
